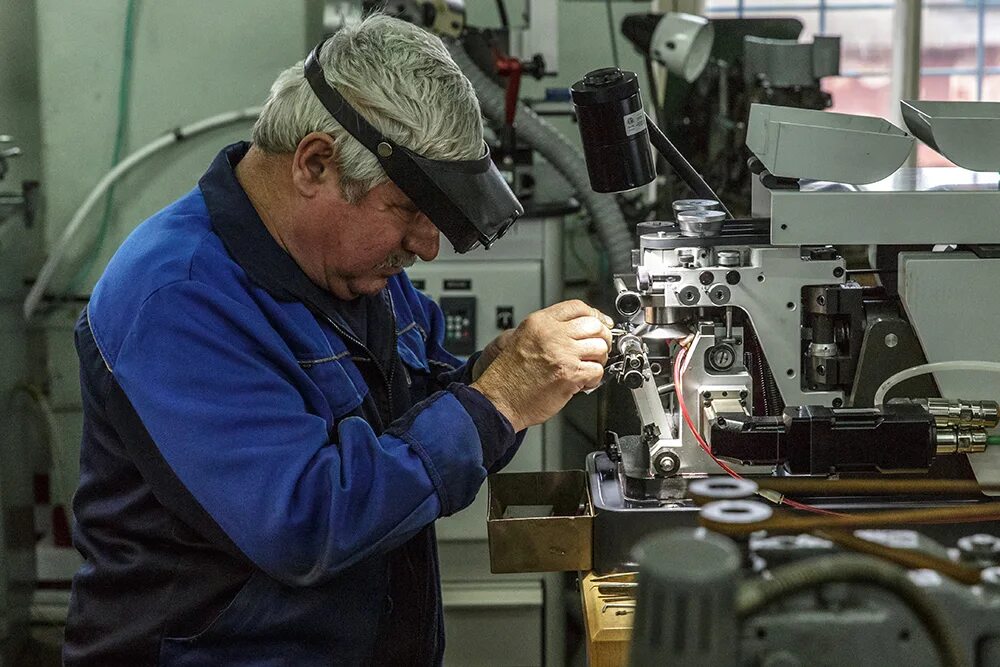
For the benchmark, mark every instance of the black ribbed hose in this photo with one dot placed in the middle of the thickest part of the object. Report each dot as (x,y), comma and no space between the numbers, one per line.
(753,596)
(612,230)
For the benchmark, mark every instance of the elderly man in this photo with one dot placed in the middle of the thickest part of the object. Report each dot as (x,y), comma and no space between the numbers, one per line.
(271,423)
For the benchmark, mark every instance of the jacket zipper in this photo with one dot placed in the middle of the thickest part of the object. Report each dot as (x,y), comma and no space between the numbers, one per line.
(392,355)
(386,378)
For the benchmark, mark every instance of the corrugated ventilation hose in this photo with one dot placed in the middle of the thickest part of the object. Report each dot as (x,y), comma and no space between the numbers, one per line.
(787,580)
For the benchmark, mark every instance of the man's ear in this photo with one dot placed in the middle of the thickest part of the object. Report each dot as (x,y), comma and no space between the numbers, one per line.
(314,164)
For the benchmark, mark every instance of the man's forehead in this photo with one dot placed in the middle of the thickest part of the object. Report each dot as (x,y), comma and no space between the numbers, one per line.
(390,193)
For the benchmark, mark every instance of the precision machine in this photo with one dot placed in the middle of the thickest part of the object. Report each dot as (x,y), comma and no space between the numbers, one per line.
(837,348)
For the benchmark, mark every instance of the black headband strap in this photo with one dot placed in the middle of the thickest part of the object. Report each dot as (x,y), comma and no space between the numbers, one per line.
(344,113)
(478,211)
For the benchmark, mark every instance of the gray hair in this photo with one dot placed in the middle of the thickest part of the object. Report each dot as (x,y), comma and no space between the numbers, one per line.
(400,78)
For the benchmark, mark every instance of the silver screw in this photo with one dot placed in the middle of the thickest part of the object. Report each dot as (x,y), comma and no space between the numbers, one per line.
(666,463)
(990,577)
(979,545)
(891,340)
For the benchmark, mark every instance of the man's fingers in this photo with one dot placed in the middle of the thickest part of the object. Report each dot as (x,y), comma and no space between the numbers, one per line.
(568,310)
(589,327)
(592,349)
(585,327)
(591,374)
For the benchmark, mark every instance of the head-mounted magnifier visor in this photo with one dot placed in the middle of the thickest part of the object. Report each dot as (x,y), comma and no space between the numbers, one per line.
(468,200)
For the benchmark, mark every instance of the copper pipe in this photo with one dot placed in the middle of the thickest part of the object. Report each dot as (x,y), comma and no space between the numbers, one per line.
(791,524)
(795,487)
(873,487)
(908,558)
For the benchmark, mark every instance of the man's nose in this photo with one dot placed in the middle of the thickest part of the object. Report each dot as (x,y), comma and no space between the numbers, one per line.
(424,239)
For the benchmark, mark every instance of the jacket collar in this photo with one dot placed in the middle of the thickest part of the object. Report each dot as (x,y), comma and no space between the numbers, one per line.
(251,245)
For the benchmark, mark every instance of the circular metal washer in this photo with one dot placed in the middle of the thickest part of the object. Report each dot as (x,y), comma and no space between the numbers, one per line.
(689,295)
(719,294)
(695,205)
(723,488)
(659,240)
(666,463)
(736,511)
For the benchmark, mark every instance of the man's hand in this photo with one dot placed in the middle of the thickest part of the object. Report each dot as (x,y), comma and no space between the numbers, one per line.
(549,357)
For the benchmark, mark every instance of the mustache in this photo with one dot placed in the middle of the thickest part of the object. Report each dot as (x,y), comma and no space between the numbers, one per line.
(398,261)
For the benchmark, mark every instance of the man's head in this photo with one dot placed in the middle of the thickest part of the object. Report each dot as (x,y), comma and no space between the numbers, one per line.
(340,217)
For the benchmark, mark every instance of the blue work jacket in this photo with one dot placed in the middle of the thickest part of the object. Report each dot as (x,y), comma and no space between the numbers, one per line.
(255,487)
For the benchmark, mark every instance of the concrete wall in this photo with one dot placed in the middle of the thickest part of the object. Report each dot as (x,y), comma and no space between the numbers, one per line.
(192,59)
(21,426)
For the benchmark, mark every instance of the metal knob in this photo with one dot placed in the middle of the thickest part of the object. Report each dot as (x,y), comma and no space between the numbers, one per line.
(701,224)
(633,378)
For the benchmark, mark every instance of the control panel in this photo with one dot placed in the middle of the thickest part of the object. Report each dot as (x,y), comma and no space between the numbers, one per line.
(459,324)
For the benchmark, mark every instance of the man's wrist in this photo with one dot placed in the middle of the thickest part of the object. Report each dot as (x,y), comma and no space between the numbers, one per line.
(490,353)
(479,366)
(500,404)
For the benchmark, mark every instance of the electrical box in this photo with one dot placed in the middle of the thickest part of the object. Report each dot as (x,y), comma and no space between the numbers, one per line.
(483,293)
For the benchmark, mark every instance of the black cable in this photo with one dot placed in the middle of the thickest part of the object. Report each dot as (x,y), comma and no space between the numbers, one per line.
(653,93)
(680,165)
(659,113)
(502,11)
(612,31)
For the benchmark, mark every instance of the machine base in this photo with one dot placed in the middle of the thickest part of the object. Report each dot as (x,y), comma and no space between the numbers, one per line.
(620,522)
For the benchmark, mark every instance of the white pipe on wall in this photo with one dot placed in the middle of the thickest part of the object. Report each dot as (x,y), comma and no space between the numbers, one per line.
(905,77)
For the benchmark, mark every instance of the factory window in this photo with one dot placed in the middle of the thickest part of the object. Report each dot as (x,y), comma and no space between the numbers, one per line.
(959,54)
(959,58)
(866,44)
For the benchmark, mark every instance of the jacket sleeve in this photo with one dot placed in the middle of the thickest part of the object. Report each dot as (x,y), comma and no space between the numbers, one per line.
(226,404)
(500,442)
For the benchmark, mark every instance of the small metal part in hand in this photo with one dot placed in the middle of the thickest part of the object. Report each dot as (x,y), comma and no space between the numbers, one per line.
(627,607)
(608,599)
(617,589)
(614,576)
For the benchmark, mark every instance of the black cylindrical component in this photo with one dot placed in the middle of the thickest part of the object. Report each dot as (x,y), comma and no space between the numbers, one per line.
(613,130)
(633,378)
(822,327)
(628,303)
(639,28)
(684,612)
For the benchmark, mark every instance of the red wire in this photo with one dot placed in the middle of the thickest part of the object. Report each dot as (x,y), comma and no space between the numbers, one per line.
(679,392)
